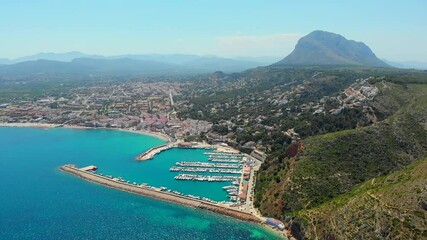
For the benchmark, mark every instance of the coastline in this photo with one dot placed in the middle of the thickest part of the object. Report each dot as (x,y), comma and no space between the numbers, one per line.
(204,206)
(161,136)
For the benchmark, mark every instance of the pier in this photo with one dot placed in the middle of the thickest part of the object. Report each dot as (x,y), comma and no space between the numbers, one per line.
(221,151)
(150,153)
(157,193)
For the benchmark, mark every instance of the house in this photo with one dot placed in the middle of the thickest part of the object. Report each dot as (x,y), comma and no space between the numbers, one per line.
(258,155)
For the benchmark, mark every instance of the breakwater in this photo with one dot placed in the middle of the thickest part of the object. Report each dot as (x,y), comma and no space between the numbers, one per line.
(157,194)
(150,153)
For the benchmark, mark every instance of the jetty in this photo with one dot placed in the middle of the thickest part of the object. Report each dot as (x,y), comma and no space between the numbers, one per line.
(150,153)
(224,152)
(157,193)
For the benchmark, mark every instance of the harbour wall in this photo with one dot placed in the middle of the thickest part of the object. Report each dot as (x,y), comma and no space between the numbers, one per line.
(164,196)
(150,153)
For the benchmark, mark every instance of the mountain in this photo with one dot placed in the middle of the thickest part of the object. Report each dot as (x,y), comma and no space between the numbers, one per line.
(89,66)
(82,64)
(62,57)
(40,67)
(205,64)
(127,66)
(5,61)
(165,58)
(71,62)
(325,48)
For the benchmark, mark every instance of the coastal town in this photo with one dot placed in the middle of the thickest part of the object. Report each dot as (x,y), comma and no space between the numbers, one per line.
(149,108)
(138,106)
(213,120)
(170,108)
(166,110)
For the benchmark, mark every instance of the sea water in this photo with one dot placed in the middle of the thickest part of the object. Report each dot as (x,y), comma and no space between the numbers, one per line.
(37,201)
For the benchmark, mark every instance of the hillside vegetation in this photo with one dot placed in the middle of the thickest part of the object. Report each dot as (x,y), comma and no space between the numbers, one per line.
(332,164)
(389,207)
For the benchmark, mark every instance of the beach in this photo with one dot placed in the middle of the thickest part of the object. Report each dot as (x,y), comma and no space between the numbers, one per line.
(161,136)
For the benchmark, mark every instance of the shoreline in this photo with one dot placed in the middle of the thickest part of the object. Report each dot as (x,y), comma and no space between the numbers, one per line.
(168,141)
(160,136)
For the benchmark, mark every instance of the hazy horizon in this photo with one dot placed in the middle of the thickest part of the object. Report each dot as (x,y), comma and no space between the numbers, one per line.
(221,28)
(143,54)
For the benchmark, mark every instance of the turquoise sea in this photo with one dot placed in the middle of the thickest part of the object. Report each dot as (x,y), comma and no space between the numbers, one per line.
(37,201)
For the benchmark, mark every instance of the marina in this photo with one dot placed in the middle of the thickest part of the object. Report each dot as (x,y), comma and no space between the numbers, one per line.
(112,167)
(159,193)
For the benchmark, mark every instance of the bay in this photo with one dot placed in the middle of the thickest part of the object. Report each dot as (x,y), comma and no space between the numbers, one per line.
(38,201)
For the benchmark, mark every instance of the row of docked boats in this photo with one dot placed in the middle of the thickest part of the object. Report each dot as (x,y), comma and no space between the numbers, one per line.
(210,165)
(163,189)
(210,170)
(222,153)
(193,177)
(239,157)
(232,192)
(225,160)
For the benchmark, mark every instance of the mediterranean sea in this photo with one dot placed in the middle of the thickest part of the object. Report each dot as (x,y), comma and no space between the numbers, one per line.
(38,201)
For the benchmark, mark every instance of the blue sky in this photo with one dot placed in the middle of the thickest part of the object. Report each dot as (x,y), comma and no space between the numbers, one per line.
(394,29)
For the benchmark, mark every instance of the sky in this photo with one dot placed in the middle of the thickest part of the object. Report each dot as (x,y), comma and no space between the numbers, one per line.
(394,29)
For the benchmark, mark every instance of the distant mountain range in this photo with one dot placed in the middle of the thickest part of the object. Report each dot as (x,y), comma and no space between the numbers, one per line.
(78,63)
(325,48)
(62,57)
(319,48)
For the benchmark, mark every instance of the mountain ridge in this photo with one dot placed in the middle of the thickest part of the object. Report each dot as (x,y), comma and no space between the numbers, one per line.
(68,63)
(326,48)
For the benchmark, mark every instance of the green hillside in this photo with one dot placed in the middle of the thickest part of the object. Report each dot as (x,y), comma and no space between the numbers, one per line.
(389,207)
(332,164)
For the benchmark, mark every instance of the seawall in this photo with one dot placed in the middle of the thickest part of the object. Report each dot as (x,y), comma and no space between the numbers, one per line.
(150,153)
(164,196)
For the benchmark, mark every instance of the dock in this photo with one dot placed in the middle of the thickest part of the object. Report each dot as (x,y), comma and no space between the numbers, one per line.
(158,194)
